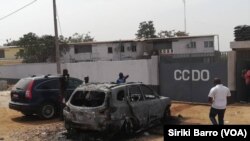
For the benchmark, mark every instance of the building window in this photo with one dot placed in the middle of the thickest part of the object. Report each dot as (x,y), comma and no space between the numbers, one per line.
(133,48)
(83,49)
(211,44)
(208,44)
(2,55)
(110,50)
(122,48)
(192,44)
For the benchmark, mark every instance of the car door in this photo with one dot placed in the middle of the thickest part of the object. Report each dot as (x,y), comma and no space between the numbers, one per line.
(139,108)
(72,85)
(49,89)
(153,102)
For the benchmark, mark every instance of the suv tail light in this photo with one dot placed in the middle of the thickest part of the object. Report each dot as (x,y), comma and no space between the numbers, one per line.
(28,93)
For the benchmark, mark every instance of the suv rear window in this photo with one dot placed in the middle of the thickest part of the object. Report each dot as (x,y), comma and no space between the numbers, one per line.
(22,84)
(88,98)
(49,85)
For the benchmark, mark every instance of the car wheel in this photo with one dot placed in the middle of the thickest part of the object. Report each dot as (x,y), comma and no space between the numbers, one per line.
(47,111)
(27,113)
(167,114)
(83,137)
(128,127)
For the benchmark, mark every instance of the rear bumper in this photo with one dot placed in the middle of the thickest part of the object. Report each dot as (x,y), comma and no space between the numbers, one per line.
(101,127)
(23,107)
(108,128)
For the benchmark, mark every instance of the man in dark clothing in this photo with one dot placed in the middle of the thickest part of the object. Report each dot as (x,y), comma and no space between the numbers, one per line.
(64,84)
(122,78)
(64,81)
(86,80)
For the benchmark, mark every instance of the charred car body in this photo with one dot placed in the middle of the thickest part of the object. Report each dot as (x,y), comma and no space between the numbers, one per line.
(109,108)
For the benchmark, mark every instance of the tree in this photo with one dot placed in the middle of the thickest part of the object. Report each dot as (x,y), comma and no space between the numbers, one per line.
(42,49)
(36,49)
(171,33)
(181,33)
(77,38)
(146,30)
(166,34)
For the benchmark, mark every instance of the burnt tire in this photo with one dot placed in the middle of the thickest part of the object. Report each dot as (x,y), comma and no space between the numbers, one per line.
(83,137)
(128,127)
(167,114)
(47,111)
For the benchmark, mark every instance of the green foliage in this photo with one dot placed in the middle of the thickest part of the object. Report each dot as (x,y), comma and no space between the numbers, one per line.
(42,49)
(78,38)
(36,49)
(171,33)
(146,30)
(181,33)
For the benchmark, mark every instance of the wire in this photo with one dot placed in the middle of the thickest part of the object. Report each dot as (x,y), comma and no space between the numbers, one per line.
(4,17)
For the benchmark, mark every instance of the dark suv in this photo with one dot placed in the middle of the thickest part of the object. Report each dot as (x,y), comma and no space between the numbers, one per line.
(40,95)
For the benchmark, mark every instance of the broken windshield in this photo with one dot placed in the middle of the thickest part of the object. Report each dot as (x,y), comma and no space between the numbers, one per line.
(88,98)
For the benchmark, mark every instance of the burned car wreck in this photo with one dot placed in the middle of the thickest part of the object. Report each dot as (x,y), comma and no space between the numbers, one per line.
(111,108)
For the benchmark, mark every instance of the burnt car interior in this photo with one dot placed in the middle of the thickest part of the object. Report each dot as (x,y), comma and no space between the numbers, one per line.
(148,93)
(135,94)
(121,95)
(88,98)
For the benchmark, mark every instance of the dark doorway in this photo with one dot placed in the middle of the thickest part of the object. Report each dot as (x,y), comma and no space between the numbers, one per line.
(243,62)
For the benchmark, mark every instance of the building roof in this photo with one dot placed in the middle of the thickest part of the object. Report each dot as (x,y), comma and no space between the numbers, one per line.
(142,40)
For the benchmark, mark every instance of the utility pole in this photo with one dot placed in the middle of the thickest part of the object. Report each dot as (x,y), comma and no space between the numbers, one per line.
(185,23)
(58,63)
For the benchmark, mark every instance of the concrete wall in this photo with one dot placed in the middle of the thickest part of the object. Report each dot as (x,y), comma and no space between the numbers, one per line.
(240,45)
(145,71)
(24,70)
(231,67)
(180,46)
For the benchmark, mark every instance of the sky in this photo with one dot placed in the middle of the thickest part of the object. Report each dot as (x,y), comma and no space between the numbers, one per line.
(108,20)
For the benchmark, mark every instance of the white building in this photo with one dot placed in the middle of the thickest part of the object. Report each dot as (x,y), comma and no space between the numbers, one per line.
(137,49)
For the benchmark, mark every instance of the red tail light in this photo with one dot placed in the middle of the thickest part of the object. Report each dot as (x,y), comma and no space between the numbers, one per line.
(28,93)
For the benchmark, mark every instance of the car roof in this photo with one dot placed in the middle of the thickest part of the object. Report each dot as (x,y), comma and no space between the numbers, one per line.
(34,77)
(104,86)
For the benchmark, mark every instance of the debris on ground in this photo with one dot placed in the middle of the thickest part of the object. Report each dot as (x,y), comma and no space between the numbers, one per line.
(180,116)
(40,133)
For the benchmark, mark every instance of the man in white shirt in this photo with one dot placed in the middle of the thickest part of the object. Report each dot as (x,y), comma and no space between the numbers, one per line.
(218,97)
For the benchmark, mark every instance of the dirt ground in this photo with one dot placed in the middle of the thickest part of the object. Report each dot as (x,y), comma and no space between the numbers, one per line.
(14,126)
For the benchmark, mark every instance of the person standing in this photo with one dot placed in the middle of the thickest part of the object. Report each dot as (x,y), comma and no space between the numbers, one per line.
(218,98)
(64,81)
(86,79)
(122,78)
(246,77)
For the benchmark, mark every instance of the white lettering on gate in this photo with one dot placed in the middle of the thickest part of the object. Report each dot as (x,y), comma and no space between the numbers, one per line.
(185,73)
(175,75)
(194,75)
